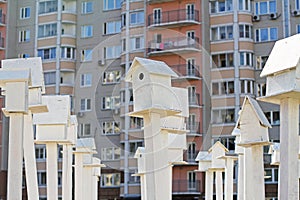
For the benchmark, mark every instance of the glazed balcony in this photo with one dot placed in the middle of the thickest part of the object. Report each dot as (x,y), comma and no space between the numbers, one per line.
(186,187)
(174,18)
(174,45)
(187,72)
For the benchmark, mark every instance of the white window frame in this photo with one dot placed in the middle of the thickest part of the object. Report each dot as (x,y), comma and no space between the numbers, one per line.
(271,118)
(261,89)
(111,77)
(86,55)
(223,85)
(217,6)
(137,43)
(23,55)
(25,13)
(86,31)
(192,180)
(49,6)
(133,145)
(246,59)
(260,62)
(47,30)
(114,151)
(105,5)
(52,53)
(246,5)
(228,112)
(228,35)
(112,180)
(110,125)
(85,7)
(135,15)
(85,105)
(83,129)
(244,32)
(50,78)
(109,103)
(40,153)
(248,85)
(115,25)
(297,4)
(258,34)
(68,53)
(86,80)
(227,60)
(257,9)
(136,123)
(24,36)
(272,178)
(112,52)
(40,175)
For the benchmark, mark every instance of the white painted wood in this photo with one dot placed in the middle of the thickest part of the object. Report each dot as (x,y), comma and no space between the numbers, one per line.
(16,101)
(67,172)
(219,185)
(241,175)
(248,187)
(52,177)
(209,185)
(228,191)
(78,177)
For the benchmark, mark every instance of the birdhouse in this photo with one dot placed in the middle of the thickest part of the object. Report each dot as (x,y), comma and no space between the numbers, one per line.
(177,143)
(53,125)
(15,84)
(253,124)
(151,83)
(93,163)
(217,150)
(141,161)
(204,161)
(72,129)
(86,146)
(274,150)
(282,70)
(237,148)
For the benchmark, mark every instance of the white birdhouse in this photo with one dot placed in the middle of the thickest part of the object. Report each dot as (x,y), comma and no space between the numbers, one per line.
(282,70)
(204,161)
(177,143)
(72,129)
(253,124)
(140,156)
(151,83)
(274,150)
(217,150)
(53,125)
(86,145)
(93,163)
(237,148)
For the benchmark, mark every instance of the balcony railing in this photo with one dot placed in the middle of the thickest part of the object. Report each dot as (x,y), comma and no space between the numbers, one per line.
(174,16)
(186,186)
(190,156)
(187,71)
(194,100)
(173,44)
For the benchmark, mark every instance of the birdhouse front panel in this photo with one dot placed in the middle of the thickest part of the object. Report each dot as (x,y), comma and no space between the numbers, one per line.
(51,133)
(173,122)
(141,163)
(87,159)
(182,96)
(16,97)
(177,141)
(175,155)
(35,96)
(218,151)
(204,165)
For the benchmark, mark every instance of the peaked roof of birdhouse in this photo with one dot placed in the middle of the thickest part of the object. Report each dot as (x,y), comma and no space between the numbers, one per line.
(203,156)
(151,66)
(257,110)
(218,143)
(139,151)
(284,55)
(274,147)
(86,143)
(236,131)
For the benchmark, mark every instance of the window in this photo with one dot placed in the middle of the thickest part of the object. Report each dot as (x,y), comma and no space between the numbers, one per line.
(24,36)
(85,129)
(85,104)
(191,67)
(68,53)
(265,7)
(110,102)
(261,61)
(112,52)
(192,125)
(110,153)
(298,27)
(133,179)
(192,96)
(110,128)
(110,180)
(271,175)
(42,178)
(86,80)
(50,78)
(136,123)
(247,86)
(157,16)
(136,43)
(86,7)
(24,13)
(47,30)
(137,18)
(223,88)
(47,6)
(245,31)
(86,31)
(222,33)
(191,176)
(133,147)
(260,89)
(40,152)
(111,4)
(297,4)
(244,5)
(273,117)
(47,54)
(220,6)
(191,152)
(190,11)
(223,116)
(222,60)
(86,55)
(122,94)
(112,27)
(228,142)
(111,77)
(23,55)
(266,34)
(246,59)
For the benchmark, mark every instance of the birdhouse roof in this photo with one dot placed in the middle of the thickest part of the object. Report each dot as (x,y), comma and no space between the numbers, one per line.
(139,151)
(86,143)
(257,110)
(284,55)
(203,156)
(151,66)
(274,147)
(236,131)
(218,144)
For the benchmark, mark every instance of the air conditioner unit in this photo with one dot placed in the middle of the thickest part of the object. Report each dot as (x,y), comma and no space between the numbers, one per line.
(255,18)
(80,114)
(273,16)
(101,62)
(296,13)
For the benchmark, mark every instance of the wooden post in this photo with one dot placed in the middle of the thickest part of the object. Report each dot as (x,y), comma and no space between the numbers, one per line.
(52,178)
(67,172)
(209,185)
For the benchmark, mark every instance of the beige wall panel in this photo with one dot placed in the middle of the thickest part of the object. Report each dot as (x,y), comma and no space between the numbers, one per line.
(48,18)
(226,46)
(222,102)
(222,74)
(223,19)
(47,42)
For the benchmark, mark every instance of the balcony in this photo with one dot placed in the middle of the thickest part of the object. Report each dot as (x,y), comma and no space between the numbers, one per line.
(190,156)
(193,128)
(187,71)
(186,187)
(2,20)
(158,1)
(2,47)
(173,18)
(174,45)
(194,100)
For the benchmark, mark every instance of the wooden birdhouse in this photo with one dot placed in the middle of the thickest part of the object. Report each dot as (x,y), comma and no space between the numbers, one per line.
(151,83)
(86,146)
(274,150)
(282,70)
(53,125)
(93,164)
(216,151)
(253,124)
(177,143)
(140,156)
(237,148)
(204,161)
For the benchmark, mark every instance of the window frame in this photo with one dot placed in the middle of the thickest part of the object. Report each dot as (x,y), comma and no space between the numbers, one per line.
(86,31)
(85,6)
(86,80)
(25,12)
(83,127)
(23,36)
